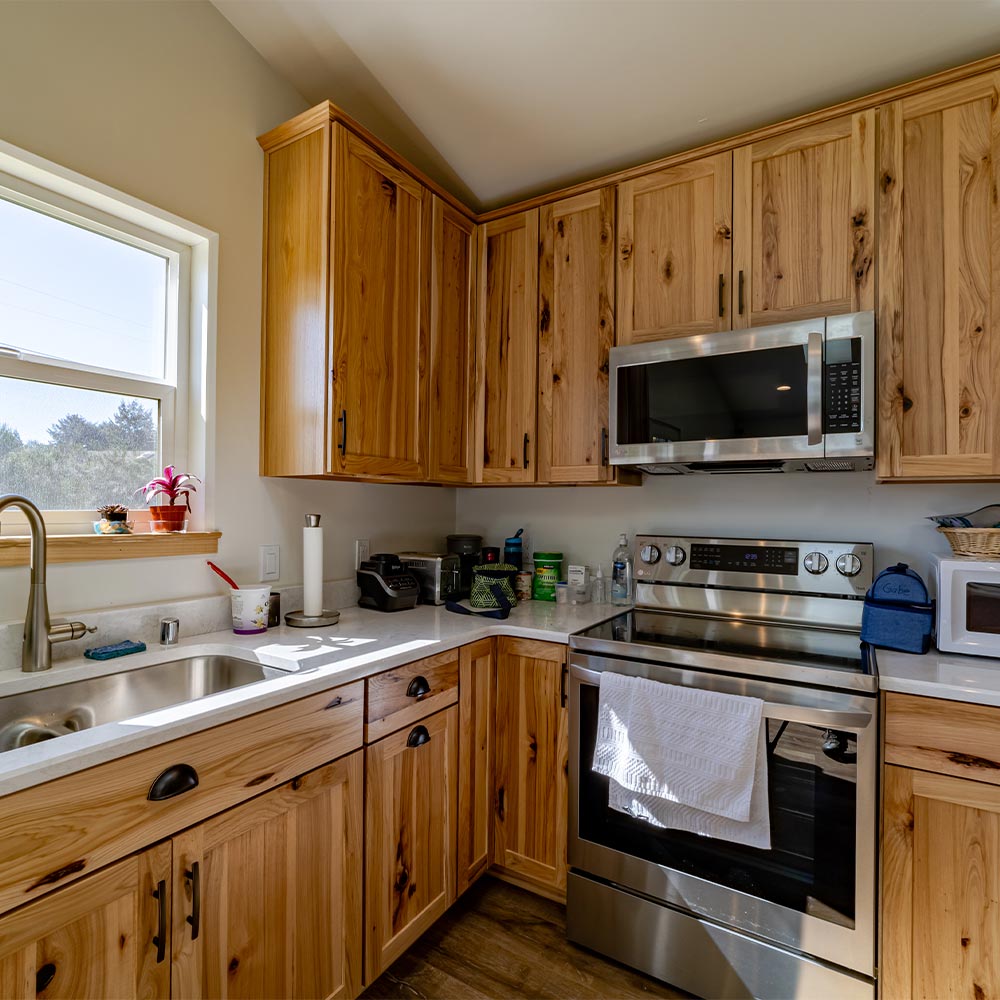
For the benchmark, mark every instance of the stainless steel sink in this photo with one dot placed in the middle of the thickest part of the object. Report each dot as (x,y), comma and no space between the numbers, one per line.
(55,711)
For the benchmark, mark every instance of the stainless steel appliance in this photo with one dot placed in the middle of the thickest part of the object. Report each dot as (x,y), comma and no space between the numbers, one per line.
(967,598)
(795,397)
(438,575)
(779,621)
(386,585)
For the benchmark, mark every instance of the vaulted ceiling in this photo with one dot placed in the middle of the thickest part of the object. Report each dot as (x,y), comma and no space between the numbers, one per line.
(498,99)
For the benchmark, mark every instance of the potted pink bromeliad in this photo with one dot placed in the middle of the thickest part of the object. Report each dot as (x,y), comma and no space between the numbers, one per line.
(175,486)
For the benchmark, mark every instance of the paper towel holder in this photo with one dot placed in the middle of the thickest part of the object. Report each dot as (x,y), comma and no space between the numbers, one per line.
(299,619)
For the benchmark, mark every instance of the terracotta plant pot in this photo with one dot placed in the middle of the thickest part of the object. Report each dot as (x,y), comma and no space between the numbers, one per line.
(168,518)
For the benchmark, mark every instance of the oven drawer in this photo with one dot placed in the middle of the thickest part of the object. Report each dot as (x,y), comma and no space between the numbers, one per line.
(409,693)
(948,737)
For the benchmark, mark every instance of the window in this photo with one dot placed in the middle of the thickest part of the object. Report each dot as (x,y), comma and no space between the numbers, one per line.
(93,352)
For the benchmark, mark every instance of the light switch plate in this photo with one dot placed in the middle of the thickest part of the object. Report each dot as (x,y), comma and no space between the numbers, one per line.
(362,551)
(269,563)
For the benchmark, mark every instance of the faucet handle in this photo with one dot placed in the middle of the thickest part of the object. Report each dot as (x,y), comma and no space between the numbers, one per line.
(169,631)
(65,631)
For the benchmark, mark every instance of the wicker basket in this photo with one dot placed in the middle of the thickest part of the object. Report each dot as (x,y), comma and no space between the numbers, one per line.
(981,543)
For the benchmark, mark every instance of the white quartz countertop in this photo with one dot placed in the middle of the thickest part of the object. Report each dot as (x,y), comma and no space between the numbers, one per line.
(952,676)
(363,643)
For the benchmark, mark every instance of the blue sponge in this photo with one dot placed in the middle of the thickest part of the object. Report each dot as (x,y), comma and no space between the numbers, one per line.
(110,652)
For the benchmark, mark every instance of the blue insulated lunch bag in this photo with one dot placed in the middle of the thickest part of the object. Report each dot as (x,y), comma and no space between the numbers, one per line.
(898,613)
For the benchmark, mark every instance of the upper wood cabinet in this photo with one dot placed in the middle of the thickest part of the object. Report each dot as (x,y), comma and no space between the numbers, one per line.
(531,797)
(939,283)
(346,311)
(267,897)
(507,349)
(451,414)
(576,331)
(409,835)
(104,936)
(675,251)
(804,222)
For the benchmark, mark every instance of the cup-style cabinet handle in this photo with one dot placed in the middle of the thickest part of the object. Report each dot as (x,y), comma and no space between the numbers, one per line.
(175,780)
(418,687)
(418,737)
(193,875)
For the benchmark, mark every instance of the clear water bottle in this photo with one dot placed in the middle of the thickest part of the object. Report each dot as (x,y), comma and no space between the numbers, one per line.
(621,574)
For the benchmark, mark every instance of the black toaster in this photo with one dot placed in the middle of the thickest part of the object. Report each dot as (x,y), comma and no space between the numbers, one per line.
(386,584)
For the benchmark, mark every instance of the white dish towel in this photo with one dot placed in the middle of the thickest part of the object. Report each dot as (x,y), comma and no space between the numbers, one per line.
(684,758)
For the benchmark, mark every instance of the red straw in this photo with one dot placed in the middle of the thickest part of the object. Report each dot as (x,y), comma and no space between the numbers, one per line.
(225,576)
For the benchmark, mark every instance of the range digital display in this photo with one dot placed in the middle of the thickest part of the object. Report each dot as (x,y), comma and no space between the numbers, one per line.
(746,559)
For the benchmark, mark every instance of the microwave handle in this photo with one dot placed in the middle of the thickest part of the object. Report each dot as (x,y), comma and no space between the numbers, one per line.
(814,388)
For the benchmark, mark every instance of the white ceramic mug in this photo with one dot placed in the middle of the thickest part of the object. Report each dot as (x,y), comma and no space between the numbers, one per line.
(250,610)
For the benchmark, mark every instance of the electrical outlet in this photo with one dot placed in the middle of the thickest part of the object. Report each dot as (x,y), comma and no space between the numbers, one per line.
(269,562)
(362,551)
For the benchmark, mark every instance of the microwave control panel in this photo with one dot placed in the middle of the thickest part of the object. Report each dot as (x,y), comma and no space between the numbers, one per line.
(842,386)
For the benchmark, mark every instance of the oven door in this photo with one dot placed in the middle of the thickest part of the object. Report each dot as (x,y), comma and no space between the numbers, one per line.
(720,397)
(814,890)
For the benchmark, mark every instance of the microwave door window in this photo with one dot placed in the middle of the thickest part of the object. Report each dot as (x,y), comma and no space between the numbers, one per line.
(747,395)
(982,608)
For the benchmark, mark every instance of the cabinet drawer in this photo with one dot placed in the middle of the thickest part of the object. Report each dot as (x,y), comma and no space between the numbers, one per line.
(56,832)
(403,696)
(949,737)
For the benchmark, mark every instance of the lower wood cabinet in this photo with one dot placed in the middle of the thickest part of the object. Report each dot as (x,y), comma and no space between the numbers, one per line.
(267,897)
(531,772)
(101,937)
(411,792)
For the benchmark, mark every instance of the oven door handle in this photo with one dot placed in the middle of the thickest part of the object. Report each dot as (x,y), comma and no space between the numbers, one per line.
(814,388)
(829,718)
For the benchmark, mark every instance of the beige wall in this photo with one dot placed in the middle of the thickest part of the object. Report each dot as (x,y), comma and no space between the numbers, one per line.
(164,100)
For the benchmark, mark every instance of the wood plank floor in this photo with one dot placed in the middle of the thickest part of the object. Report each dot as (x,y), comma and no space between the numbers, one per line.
(501,942)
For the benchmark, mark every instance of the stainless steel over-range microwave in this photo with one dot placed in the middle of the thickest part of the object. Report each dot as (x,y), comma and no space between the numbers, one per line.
(794,397)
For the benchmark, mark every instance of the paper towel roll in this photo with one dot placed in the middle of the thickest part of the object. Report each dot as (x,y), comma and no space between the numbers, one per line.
(312,567)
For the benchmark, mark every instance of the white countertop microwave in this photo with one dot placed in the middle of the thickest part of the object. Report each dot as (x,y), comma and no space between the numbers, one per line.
(967,592)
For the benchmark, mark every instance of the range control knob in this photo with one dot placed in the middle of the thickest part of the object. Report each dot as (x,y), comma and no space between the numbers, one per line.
(848,564)
(816,563)
(649,554)
(675,555)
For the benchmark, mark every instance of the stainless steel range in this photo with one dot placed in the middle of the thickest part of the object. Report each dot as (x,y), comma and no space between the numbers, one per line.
(779,621)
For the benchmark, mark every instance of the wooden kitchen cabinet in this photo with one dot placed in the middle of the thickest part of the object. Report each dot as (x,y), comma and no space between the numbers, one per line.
(346,310)
(267,897)
(507,349)
(476,721)
(939,284)
(804,222)
(675,232)
(411,793)
(452,411)
(531,797)
(576,331)
(100,937)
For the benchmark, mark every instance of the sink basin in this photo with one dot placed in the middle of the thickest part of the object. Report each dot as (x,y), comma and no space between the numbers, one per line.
(51,712)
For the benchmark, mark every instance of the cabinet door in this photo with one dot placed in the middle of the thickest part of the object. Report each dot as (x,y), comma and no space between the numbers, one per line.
(940,886)
(381,314)
(507,349)
(267,896)
(104,936)
(451,416)
(675,251)
(576,330)
(532,757)
(803,222)
(939,284)
(476,686)
(410,835)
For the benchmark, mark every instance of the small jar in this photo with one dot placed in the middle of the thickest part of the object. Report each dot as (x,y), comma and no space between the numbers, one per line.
(562,593)
(522,585)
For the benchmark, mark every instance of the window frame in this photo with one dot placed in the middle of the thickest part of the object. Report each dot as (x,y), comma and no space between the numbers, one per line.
(186,393)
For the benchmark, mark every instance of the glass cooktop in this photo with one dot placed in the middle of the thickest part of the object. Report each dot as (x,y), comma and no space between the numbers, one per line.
(746,647)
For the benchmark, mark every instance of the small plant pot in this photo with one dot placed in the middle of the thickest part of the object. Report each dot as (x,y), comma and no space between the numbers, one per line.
(168,518)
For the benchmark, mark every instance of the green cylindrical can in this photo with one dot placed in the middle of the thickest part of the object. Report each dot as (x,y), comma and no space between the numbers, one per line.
(548,572)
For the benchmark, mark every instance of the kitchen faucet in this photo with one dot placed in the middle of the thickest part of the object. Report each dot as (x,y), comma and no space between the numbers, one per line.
(39,632)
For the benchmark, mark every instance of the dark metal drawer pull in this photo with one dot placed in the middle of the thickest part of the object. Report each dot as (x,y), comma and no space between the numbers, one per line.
(193,875)
(175,780)
(741,293)
(160,940)
(722,295)
(342,420)
(418,737)
(418,687)
(526,439)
